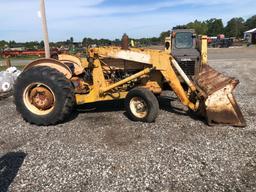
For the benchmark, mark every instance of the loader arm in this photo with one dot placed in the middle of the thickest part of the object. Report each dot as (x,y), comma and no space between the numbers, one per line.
(162,62)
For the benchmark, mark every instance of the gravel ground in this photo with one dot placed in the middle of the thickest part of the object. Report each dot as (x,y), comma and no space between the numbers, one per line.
(103,151)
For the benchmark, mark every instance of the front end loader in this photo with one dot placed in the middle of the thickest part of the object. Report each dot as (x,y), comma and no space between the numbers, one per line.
(48,89)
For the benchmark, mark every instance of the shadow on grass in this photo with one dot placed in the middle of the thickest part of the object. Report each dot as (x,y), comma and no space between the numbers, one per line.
(10,164)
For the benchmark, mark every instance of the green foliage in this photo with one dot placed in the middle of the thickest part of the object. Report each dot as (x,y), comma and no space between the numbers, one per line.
(99,42)
(235,27)
(12,43)
(215,27)
(251,22)
(163,35)
(200,27)
(212,27)
(105,42)
(33,45)
(3,44)
(72,39)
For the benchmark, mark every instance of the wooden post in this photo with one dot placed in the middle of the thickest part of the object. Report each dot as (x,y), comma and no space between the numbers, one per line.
(45,29)
(8,62)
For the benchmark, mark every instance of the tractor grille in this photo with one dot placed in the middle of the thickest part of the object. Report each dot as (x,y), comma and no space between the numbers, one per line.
(188,67)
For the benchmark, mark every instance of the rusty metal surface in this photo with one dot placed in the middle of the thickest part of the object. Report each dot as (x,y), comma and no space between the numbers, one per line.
(219,103)
(125,42)
(42,98)
(222,108)
(81,87)
(210,80)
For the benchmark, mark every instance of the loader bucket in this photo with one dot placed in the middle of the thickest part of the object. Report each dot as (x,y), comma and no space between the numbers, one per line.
(219,103)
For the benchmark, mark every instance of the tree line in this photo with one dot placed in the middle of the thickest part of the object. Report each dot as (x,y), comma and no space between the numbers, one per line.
(235,28)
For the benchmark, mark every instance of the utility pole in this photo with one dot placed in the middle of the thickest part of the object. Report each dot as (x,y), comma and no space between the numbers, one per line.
(8,62)
(45,30)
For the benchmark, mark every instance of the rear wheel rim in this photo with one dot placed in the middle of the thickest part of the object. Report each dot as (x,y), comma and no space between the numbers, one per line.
(139,107)
(39,99)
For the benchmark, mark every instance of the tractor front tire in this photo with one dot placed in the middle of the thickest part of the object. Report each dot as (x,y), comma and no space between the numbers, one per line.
(141,105)
(44,96)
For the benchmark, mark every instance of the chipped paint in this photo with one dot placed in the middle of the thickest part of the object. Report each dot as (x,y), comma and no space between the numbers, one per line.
(133,56)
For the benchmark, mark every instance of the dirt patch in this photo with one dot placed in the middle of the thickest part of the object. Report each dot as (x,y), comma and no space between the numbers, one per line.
(121,137)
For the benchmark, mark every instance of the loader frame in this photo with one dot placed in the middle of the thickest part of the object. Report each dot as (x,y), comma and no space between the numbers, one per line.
(157,61)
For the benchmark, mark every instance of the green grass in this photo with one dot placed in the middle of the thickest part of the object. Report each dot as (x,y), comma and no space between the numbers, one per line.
(22,58)
(3,68)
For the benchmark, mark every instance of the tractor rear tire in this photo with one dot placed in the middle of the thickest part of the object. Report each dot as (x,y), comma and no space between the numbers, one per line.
(44,96)
(141,105)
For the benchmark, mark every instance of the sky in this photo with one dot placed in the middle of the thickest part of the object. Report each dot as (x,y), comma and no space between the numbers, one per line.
(19,19)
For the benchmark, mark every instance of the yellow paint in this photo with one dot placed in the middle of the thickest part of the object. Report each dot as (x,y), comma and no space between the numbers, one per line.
(90,98)
(78,65)
(70,58)
(204,50)
(137,75)
(132,43)
(159,60)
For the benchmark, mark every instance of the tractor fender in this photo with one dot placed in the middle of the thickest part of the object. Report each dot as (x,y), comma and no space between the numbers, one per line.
(76,61)
(61,67)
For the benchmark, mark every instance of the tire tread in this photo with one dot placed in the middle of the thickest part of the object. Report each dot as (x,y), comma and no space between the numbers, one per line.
(59,80)
(151,100)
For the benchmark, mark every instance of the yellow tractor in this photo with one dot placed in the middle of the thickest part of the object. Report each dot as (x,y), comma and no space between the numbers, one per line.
(48,89)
